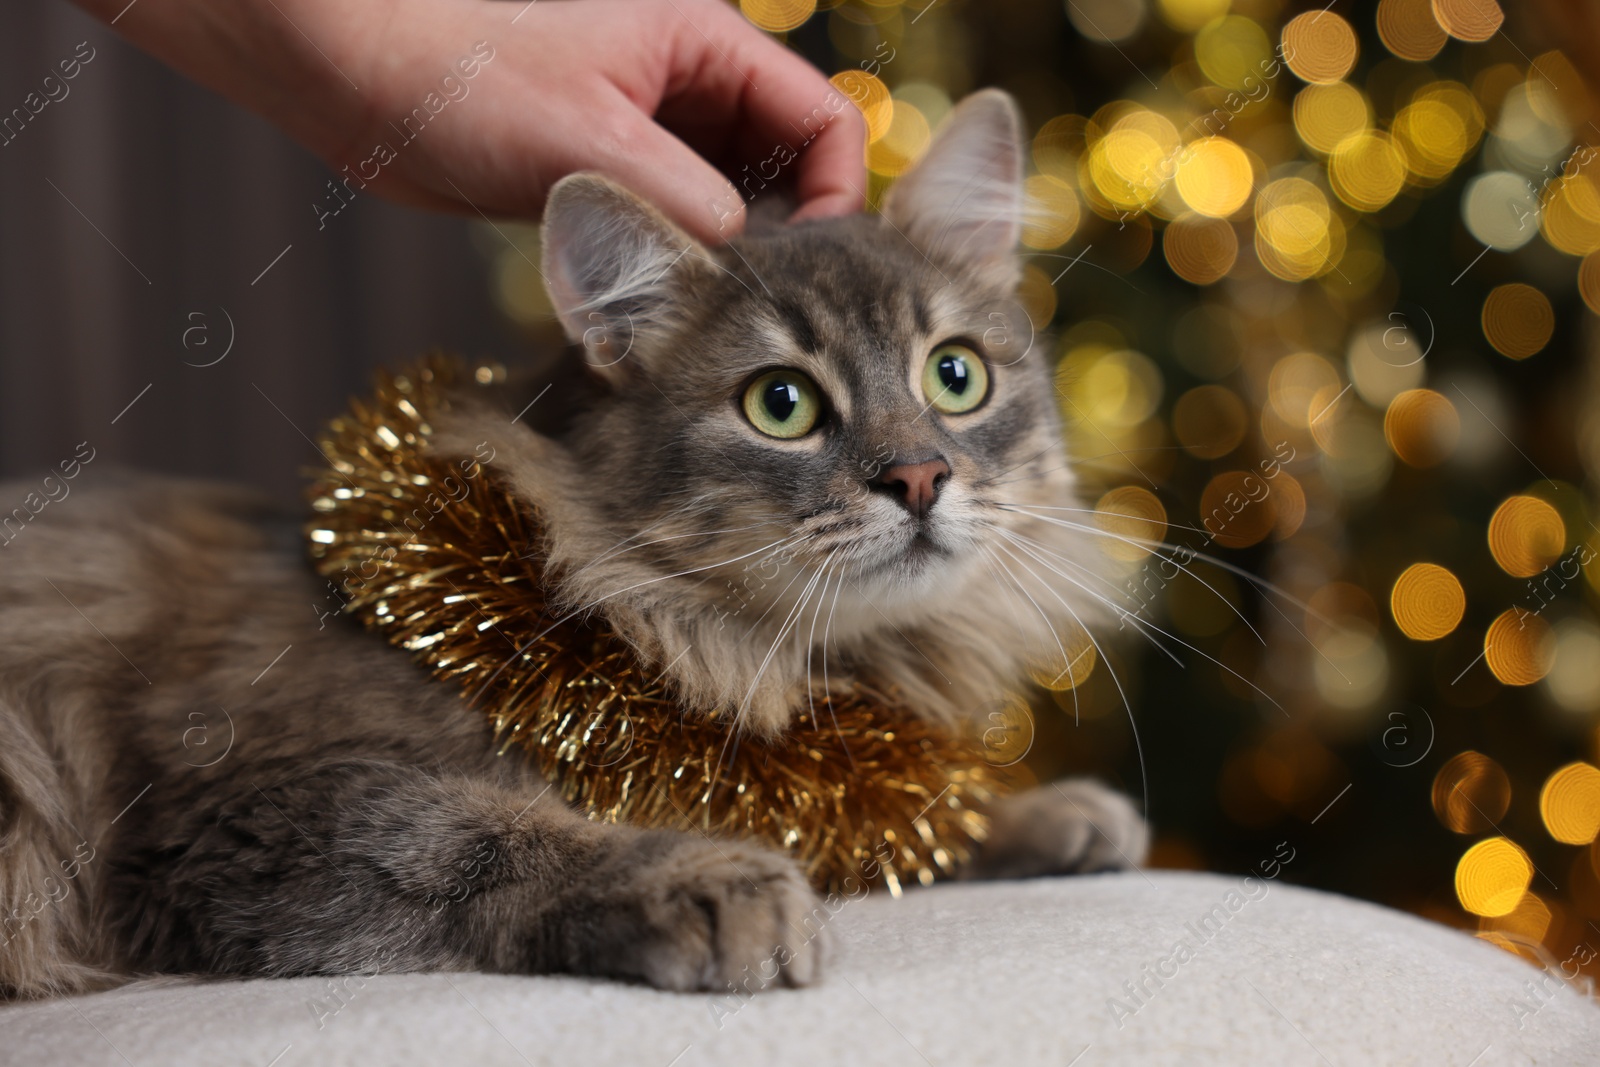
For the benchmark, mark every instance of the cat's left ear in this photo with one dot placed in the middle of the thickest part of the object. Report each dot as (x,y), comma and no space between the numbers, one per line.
(615,269)
(961,205)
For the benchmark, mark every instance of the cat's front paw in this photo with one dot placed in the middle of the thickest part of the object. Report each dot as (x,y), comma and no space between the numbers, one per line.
(1075,826)
(683,912)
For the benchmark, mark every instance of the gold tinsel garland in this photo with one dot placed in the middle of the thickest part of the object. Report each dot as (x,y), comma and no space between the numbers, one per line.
(454,576)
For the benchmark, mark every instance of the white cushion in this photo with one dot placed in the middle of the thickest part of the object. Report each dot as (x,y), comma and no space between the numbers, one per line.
(999,973)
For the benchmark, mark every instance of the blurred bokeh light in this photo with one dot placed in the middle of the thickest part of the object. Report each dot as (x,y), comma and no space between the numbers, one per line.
(1318,282)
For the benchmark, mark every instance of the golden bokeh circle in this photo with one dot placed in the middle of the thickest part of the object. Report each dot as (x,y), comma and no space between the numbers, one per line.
(1052,213)
(1469,20)
(1325,115)
(1492,876)
(1409,30)
(1319,46)
(1068,666)
(1127,115)
(1288,506)
(1189,16)
(1527,923)
(1297,387)
(1589,281)
(1458,98)
(1231,50)
(1367,170)
(1036,294)
(1526,535)
(1557,93)
(902,144)
(1126,167)
(1471,793)
(1574,682)
(1340,606)
(1214,177)
(1006,733)
(1236,508)
(1422,427)
(1570,219)
(1518,320)
(870,96)
(1132,515)
(1119,388)
(1200,249)
(1569,803)
(1433,138)
(1058,144)
(1297,234)
(1298,260)
(1210,421)
(1427,602)
(1106,20)
(778,16)
(1518,647)
(1501,209)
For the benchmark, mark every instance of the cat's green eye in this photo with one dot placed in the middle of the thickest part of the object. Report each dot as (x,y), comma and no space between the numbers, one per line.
(783,404)
(954,379)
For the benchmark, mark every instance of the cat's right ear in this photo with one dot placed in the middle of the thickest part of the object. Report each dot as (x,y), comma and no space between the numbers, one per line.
(613,266)
(962,202)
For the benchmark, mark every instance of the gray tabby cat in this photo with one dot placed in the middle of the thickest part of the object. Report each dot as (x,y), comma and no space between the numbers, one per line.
(846,402)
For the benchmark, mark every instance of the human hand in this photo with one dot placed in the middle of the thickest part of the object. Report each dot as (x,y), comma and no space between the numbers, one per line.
(656,94)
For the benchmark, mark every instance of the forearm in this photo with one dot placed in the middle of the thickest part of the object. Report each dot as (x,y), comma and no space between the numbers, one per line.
(282,59)
(633,89)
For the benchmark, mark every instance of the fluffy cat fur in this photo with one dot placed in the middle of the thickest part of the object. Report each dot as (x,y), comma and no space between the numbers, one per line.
(200,774)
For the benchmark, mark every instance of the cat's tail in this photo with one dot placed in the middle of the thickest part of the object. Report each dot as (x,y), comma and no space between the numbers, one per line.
(49,875)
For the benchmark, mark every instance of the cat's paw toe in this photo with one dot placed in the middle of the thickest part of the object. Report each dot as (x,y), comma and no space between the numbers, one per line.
(1075,826)
(705,915)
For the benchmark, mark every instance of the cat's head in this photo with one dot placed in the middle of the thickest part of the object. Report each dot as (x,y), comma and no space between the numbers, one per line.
(808,443)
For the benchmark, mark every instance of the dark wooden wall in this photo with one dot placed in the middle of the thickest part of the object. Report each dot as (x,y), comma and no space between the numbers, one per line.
(139,207)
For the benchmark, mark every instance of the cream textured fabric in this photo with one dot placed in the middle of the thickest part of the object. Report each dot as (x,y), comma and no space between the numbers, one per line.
(1010,974)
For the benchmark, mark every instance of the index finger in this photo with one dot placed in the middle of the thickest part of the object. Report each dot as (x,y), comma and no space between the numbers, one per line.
(782,100)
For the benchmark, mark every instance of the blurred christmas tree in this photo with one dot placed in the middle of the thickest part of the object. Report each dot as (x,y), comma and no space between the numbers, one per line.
(1316,280)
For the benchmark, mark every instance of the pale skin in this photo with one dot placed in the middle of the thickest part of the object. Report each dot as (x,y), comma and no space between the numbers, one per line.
(665,97)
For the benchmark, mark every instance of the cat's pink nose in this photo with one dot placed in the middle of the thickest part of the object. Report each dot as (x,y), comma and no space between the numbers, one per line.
(916,485)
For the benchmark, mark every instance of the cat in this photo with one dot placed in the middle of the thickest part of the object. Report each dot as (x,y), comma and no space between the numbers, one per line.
(199,776)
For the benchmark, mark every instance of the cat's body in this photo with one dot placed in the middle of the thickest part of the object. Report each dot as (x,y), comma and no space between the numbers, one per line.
(200,772)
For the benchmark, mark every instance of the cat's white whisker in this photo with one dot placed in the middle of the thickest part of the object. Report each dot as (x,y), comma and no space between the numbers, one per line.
(1145,543)
(827,692)
(1144,625)
(1138,745)
(589,606)
(1258,583)
(700,503)
(687,508)
(1048,624)
(1042,554)
(1009,582)
(811,644)
(744,705)
(772,546)
(811,696)
(619,552)
(1096,511)
(1154,545)
(775,601)
(783,631)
